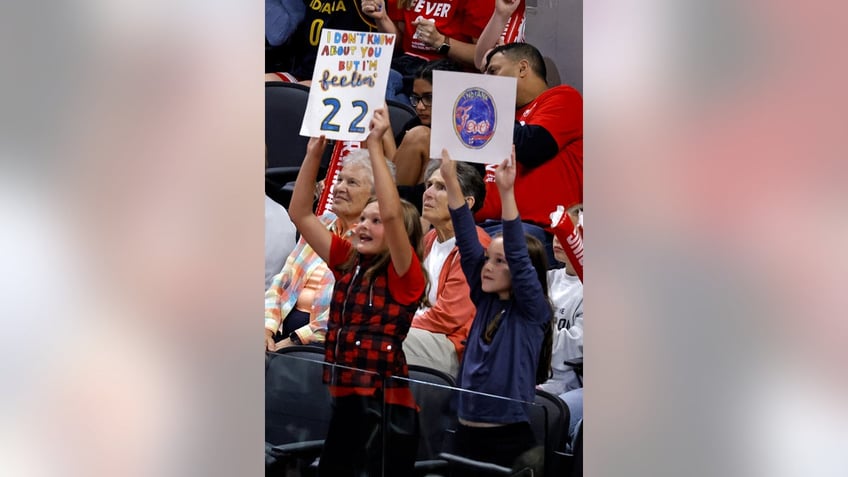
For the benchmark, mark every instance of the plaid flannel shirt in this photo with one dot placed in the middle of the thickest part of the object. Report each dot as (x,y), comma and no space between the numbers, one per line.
(366,330)
(281,296)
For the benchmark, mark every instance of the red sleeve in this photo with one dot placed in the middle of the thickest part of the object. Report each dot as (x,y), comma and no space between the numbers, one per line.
(491,208)
(491,205)
(408,288)
(476,15)
(339,251)
(514,31)
(561,114)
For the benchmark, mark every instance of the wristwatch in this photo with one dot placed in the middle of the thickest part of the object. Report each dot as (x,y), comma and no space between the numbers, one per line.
(445,48)
(294,338)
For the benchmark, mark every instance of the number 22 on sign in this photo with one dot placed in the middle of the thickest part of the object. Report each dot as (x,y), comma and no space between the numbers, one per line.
(335,105)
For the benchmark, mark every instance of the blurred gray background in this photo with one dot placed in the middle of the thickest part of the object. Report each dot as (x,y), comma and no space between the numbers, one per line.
(556,28)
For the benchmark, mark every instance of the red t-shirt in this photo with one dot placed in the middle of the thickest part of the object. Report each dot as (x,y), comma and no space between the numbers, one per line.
(457,19)
(405,290)
(559,181)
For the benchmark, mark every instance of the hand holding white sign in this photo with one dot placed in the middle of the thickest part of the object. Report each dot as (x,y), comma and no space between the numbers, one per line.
(505,173)
(456,198)
(379,124)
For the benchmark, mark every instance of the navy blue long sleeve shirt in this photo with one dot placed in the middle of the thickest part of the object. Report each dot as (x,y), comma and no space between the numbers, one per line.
(507,366)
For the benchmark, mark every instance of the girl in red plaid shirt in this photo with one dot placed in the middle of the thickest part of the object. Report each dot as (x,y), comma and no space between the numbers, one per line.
(379,284)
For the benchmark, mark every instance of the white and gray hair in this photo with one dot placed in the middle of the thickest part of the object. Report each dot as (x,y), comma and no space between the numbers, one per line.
(361,158)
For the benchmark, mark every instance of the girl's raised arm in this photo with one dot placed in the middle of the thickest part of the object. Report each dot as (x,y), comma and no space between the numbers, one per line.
(529,292)
(470,251)
(505,180)
(391,213)
(448,169)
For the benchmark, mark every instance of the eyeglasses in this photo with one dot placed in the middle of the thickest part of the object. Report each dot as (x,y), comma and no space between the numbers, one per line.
(492,327)
(427,99)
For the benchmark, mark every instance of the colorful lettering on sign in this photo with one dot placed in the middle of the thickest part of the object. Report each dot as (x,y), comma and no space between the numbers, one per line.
(361,38)
(358,65)
(354,80)
(335,105)
(363,51)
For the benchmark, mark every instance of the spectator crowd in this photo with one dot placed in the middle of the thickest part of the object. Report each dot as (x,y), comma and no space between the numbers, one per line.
(433,262)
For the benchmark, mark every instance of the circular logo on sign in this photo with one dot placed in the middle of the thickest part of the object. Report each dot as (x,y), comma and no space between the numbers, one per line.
(474,117)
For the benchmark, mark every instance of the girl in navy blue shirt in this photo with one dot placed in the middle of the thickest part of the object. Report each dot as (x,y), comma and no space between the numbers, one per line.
(508,348)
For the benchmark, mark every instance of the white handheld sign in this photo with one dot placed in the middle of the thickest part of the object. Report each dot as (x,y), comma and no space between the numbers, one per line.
(473,116)
(349,82)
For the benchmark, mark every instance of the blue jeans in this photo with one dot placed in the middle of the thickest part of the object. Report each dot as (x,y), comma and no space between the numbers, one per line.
(574,400)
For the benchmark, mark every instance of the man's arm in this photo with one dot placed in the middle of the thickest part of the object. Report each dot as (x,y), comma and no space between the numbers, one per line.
(556,120)
(534,145)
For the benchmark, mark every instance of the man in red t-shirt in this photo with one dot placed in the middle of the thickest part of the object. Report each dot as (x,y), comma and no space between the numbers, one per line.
(548,137)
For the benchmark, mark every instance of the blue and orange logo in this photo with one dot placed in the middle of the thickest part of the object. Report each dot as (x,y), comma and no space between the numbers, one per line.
(474,117)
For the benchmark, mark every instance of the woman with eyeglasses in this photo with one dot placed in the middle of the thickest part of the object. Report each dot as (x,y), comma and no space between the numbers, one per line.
(413,151)
(508,350)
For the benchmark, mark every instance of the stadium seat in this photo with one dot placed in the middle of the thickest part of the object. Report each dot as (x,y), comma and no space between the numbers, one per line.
(297,408)
(434,391)
(285,105)
(399,115)
(551,427)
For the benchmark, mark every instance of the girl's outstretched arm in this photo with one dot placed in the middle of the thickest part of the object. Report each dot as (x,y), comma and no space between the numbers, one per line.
(470,251)
(525,282)
(456,199)
(300,208)
(505,180)
(391,213)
